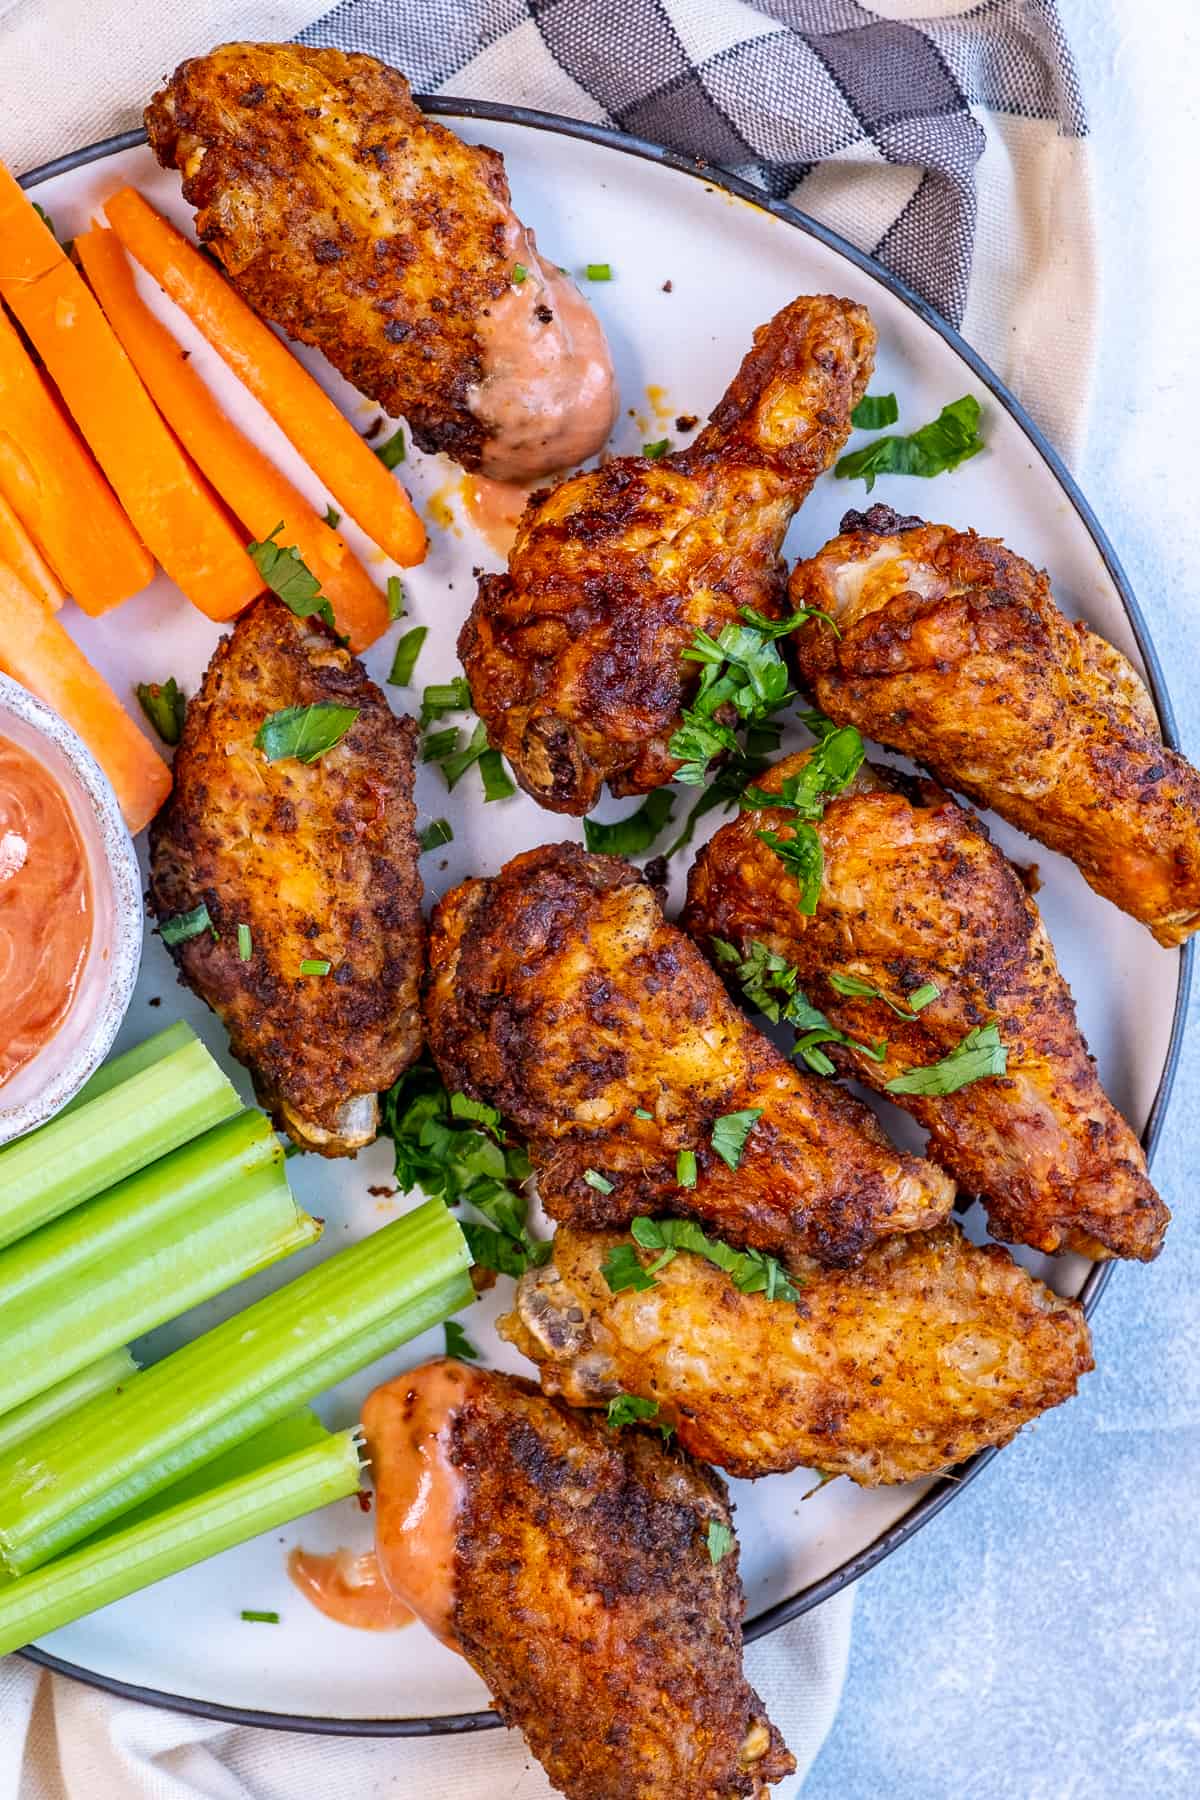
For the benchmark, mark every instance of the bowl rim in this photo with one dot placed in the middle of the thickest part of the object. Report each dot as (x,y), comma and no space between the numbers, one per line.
(93,789)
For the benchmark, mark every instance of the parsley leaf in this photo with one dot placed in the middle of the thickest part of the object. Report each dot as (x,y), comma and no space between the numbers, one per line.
(408,648)
(622,1269)
(458,1343)
(831,767)
(165,707)
(652,452)
(874,411)
(182,926)
(395,597)
(933,450)
(331,516)
(751,1271)
(771,985)
(729,1134)
(633,834)
(685,1168)
(392,452)
(719,1540)
(853,988)
(305,732)
(497,782)
(245,943)
(601,1183)
(980,1054)
(454,767)
(437,832)
(628,1409)
(804,859)
(285,572)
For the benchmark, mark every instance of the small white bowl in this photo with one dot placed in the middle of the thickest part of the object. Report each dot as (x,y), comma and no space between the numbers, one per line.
(52,1077)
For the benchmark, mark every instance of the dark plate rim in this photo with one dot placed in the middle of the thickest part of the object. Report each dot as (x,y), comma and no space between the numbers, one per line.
(945,1487)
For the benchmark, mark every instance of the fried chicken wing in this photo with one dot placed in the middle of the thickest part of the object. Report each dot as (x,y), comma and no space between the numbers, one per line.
(575,655)
(317,860)
(913,891)
(950,647)
(931,1349)
(343,214)
(559,994)
(570,1565)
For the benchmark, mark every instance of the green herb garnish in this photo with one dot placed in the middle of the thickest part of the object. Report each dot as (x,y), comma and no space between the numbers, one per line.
(601,1183)
(395,597)
(874,411)
(640,1112)
(771,985)
(442,697)
(519,272)
(332,517)
(751,1271)
(729,1134)
(656,450)
(438,832)
(855,989)
(742,669)
(628,1409)
(407,651)
(719,1540)
(599,271)
(980,1054)
(458,1343)
(455,767)
(933,450)
(165,707)
(391,452)
(286,573)
(182,926)
(622,1269)
(804,859)
(831,767)
(245,943)
(497,783)
(260,1618)
(633,834)
(315,965)
(685,1169)
(305,732)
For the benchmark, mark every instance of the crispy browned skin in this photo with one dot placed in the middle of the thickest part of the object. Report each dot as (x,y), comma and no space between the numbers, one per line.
(343,214)
(953,650)
(586,1598)
(575,655)
(559,994)
(318,859)
(914,891)
(931,1349)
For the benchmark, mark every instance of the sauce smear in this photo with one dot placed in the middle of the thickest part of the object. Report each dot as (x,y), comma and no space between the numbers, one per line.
(348,1588)
(46,907)
(494,509)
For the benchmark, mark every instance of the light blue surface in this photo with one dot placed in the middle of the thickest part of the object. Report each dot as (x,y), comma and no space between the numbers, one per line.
(1041,1639)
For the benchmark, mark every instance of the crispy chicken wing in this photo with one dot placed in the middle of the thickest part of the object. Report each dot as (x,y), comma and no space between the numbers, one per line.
(571,1567)
(575,655)
(317,860)
(346,216)
(931,1349)
(559,994)
(951,648)
(914,891)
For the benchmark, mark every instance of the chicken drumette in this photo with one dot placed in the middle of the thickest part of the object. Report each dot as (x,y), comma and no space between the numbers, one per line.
(559,994)
(914,892)
(312,946)
(572,1567)
(950,648)
(931,1349)
(575,655)
(343,214)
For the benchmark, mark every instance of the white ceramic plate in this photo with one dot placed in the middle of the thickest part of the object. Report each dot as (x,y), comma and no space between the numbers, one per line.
(592,197)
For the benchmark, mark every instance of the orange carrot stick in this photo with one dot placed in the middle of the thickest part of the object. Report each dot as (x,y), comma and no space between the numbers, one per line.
(170,506)
(58,493)
(249,483)
(19,553)
(36,651)
(325,439)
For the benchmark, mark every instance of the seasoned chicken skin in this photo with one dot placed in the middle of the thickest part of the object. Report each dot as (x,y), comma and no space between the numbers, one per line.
(343,214)
(318,860)
(575,655)
(559,994)
(914,891)
(570,1565)
(951,648)
(931,1349)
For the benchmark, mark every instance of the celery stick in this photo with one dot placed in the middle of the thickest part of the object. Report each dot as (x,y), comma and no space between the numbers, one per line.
(116,1451)
(131,1062)
(189,1226)
(187,1533)
(99,1377)
(83,1151)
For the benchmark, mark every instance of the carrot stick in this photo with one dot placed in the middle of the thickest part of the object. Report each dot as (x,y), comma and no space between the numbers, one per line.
(56,490)
(327,441)
(170,506)
(19,553)
(249,483)
(36,651)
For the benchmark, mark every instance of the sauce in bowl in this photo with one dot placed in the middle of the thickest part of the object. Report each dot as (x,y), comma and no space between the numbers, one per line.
(46,907)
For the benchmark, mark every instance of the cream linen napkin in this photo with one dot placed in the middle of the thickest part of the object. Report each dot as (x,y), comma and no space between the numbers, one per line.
(944,135)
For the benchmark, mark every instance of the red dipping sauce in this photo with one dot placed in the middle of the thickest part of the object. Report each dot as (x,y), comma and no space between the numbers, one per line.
(46,907)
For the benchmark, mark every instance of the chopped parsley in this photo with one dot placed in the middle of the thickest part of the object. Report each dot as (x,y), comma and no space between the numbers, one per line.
(802,856)
(182,926)
(315,965)
(519,272)
(395,597)
(497,782)
(165,706)
(601,1183)
(633,834)
(456,1149)
(656,450)
(719,1540)
(771,985)
(436,746)
(874,411)
(442,697)
(407,651)
(260,1618)
(455,767)
(391,452)
(933,450)
(245,943)
(458,1343)
(286,573)
(685,1169)
(729,1134)
(305,732)
(742,670)
(639,1112)
(831,767)
(622,1269)
(628,1409)
(599,272)
(852,988)
(438,832)
(980,1054)
(725,789)
(751,1271)
(331,516)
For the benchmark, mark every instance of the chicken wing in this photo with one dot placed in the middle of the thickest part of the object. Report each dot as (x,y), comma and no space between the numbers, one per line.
(931,1349)
(559,994)
(343,214)
(298,863)
(950,647)
(571,1567)
(913,891)
(575,655)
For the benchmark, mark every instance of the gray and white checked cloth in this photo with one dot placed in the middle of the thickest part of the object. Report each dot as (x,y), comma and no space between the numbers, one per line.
(945,136)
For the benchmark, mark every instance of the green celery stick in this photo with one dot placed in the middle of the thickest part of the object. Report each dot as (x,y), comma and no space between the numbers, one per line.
(191,1225)
(97,1574)
(121,1068)
(260,1365)
(87,1149)
(100,1377)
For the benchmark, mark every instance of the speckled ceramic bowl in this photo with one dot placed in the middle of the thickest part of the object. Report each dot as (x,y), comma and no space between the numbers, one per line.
(46,1083)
